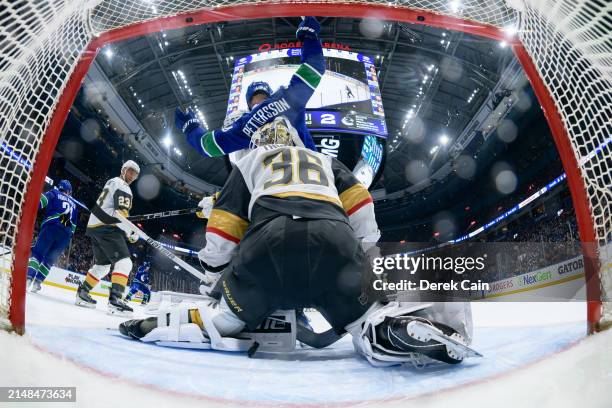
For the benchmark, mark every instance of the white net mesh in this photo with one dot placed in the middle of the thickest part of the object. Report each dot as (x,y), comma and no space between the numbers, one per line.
(41,41)
(118,13)
(40,45)
(571,46)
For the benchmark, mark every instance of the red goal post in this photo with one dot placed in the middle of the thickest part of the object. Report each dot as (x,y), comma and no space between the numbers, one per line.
(48,46)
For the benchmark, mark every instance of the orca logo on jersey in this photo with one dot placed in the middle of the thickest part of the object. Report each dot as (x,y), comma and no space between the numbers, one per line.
(263,114)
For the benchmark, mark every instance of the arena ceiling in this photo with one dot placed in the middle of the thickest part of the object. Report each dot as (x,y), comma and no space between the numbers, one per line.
(438,77)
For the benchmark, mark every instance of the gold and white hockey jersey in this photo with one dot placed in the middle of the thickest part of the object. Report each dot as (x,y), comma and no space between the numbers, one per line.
(278,180)
(116,196)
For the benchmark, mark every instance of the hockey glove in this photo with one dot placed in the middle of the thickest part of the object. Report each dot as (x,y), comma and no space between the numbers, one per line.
(207,286)
(132,237)
(212,275)
(186,122)
(207,205)
(308,29)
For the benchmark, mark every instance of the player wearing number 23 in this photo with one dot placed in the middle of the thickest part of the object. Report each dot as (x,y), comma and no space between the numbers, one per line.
(108,241)
(56,231)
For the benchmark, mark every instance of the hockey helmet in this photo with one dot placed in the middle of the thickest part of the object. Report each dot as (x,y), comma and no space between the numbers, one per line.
(255,88)
(131,164)
(64,186)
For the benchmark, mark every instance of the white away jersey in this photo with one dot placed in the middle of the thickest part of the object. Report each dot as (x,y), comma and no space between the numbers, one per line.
(280,171)
(292,181)
(115,196)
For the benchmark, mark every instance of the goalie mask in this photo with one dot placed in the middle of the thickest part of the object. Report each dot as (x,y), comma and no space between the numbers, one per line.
(278,132)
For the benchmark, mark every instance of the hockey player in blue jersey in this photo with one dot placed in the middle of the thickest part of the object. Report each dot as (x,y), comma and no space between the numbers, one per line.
(264,105)
(141,282)
(56,231)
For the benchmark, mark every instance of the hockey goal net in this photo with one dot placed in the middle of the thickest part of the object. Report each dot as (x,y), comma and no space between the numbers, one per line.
(47,46)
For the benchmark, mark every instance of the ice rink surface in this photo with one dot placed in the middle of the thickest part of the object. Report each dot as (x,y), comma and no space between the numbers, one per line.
(69,345)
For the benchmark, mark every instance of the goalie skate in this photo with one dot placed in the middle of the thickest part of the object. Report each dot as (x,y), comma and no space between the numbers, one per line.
(425,331)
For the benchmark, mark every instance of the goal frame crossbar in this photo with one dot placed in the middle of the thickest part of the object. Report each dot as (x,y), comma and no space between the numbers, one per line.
(296,9)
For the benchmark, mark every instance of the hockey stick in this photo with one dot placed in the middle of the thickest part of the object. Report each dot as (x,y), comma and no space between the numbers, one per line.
(163,214)
(127,225)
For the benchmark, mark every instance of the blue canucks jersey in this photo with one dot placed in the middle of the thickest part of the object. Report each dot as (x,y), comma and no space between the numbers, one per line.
(142,275)
(59,210)
(288,101)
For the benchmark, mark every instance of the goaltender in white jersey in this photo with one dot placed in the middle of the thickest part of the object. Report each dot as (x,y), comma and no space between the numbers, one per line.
(288,231)
(108,241)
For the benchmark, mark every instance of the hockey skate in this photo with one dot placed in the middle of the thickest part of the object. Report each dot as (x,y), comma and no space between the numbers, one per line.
(429,338)
(33,285)
(118,307)
(84,299)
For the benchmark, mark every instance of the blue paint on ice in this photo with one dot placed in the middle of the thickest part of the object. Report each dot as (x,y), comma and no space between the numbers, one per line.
(330,375)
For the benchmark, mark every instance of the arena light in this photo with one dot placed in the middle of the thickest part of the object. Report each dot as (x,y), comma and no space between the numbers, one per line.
(510,30)
(108,51)
(444,139)
(454,6)
(434,150)
(167,141)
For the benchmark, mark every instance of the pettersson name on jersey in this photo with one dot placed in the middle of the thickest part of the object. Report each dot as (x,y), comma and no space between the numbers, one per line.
(264,114)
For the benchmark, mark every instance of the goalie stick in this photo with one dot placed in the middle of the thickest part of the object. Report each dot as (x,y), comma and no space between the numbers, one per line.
(128,225)
(163,214)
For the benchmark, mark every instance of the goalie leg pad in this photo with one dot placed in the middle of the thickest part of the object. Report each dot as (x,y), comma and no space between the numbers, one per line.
(401,332)
(174,326)
(190,322)
(225,321)
(364,334)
